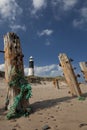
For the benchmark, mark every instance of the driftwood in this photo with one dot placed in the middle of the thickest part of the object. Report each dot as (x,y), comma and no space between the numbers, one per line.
(83,66)
(13,64)
(69,75)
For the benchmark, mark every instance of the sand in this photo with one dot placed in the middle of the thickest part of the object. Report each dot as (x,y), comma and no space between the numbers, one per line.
(53,108)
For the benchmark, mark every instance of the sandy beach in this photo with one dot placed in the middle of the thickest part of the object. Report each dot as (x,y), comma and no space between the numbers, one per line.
(52,108)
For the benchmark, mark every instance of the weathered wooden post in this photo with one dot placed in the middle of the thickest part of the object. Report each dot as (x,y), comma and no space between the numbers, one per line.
(69,74)
(83,66)
(18,87)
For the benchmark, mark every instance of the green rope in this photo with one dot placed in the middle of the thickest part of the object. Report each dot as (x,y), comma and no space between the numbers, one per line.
(25,88)
(81,98)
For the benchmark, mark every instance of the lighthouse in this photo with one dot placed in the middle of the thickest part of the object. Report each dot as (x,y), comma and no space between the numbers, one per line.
(31,66)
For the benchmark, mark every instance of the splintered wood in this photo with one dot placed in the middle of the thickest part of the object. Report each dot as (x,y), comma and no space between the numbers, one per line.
(83,66)
(69,75)
(13,64)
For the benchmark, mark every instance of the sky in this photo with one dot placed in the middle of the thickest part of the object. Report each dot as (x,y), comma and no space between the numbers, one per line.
(46,28)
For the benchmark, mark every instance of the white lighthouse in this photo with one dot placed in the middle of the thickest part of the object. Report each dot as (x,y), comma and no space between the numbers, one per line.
(31,66)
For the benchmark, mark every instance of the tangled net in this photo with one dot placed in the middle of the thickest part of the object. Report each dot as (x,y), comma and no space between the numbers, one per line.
(25,92)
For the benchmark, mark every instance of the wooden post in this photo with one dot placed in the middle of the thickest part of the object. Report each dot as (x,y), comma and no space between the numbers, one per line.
(69,74)
(83,66)
(13,64)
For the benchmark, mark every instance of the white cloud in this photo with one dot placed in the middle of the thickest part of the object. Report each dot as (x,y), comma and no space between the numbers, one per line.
(17,27)
(62,8)
(68,4)
(81,21)
(84,12)
(50,70)
(38,4)
(64,4)
(48,43)
(47,32)
(26,71)
(2,67)
(78,23)
(59,7)
(9,9)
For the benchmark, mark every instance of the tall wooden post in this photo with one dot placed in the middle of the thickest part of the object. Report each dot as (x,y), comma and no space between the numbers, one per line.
(69,74)
(83,66)
(13,65)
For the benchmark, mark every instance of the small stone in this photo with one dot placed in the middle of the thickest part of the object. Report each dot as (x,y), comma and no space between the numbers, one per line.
(58,107)
(41,121)
(45,127)
(14,129)
(54,119)
(29,119)
(82,124)
(52,116)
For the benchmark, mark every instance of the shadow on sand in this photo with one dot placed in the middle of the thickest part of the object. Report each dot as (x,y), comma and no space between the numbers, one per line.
(40,105)
(52,102)
(2,111)
(49,103)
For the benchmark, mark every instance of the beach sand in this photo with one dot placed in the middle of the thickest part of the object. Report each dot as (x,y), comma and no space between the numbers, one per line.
(52,108)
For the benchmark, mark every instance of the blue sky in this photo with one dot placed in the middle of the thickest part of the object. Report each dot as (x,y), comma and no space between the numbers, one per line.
(46,28)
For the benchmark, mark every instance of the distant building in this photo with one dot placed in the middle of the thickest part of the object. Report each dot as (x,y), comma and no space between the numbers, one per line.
(31,66)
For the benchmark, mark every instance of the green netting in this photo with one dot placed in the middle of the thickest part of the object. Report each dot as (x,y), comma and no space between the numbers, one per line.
(19,81)
(81,98)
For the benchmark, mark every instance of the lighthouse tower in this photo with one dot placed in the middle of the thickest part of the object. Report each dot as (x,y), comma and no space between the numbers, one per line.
(31,66)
